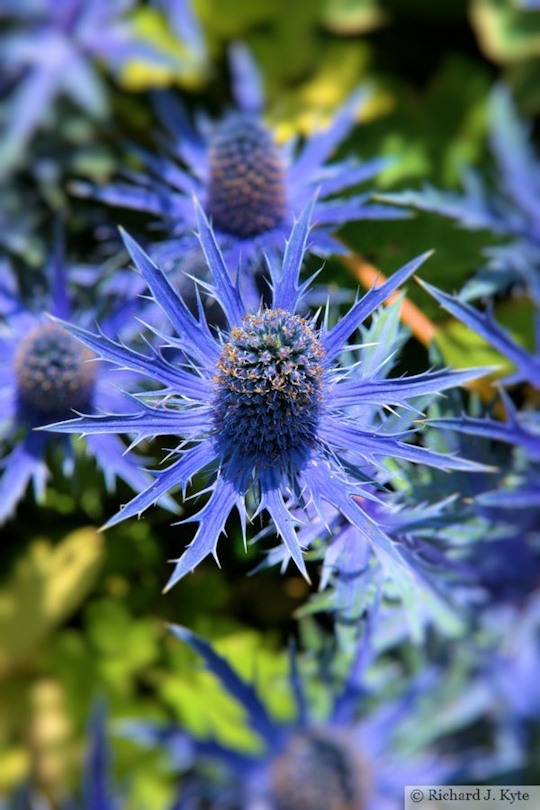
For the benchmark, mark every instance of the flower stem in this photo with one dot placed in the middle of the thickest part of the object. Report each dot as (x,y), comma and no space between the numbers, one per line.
(421,327)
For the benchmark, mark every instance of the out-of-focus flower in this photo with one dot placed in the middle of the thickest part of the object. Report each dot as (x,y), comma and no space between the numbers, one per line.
(338,762)
(264,407)
(497,686)
(250,188)
(46,374)
(511,211)
(51,50)
(515,501)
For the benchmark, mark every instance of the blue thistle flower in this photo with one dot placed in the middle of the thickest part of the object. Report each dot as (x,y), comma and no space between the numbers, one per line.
(263,407)
(357,576)
(306,764)
(511,211)
(250,188)
(515,499)
(52,51)
(46,375)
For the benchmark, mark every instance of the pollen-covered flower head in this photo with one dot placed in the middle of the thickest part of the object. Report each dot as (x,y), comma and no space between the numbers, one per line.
(251,188)
(263,407)
(46,375)
(269,389)
(318,769)
(54,375)
(246,188)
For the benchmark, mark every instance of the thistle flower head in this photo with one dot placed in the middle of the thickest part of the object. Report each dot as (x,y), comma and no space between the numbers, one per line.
(54,375)
(347,761)
(269,389)
(318,769)
(46,374)
(263,407)
(251,188)
(246,187)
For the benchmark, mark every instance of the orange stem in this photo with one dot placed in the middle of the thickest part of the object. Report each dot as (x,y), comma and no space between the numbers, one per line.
(368,276)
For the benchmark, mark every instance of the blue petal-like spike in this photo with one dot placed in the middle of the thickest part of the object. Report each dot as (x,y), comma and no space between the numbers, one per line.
(246,80)
(155,367)
(285,287)
(485,325)
(399,390)
(32,97)
(324,485)
(335,340)
(110,453)
(148,422)
(128,196)
(376,445)
(344,175)
(227,293)
(19,467)
(509,432)
(272,501)
(302,719)
(472,209)
(211,519)
(173,116)
(510,141)
(57,272)
(196,334)
(185,24)
(260,720)
(178,474)
(95,788)
(165,172)
(321,145)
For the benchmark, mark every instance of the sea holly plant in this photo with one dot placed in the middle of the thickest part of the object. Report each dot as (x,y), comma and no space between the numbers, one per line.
(353,579)
(351,757)
(251,188)
(510,210)
(46,375)
(52,49)
(516,498)
(264,408)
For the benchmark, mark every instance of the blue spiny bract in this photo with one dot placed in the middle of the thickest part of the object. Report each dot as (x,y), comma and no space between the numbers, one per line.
(263,407)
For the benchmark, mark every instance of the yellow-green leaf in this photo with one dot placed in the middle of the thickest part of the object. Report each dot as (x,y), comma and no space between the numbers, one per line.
(46,586)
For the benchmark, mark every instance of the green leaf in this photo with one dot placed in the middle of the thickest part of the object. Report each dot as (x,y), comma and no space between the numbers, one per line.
(47,585)
(180,65)
(125,645)
(352,16)
(506,34)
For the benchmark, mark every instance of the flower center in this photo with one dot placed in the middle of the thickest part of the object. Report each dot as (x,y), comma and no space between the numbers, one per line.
(246,195)
(269,388)
(53,375)
(317,771)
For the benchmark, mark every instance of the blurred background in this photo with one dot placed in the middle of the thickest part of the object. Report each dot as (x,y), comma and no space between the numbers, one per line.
(82,614)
